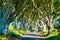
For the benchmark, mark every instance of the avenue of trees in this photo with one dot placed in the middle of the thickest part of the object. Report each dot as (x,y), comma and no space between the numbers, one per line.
(35,13)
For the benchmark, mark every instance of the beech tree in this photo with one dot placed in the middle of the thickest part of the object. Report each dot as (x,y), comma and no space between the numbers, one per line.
(37,13)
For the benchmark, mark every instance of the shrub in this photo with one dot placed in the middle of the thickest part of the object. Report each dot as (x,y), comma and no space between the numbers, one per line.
(53,38)
(14,32)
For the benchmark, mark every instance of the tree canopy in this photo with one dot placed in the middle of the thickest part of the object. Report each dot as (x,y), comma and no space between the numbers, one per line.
(36,13)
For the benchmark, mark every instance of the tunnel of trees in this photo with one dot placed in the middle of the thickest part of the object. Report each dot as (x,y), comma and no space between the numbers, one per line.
(31,13)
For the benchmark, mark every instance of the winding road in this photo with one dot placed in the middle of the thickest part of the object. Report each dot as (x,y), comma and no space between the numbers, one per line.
(31,36)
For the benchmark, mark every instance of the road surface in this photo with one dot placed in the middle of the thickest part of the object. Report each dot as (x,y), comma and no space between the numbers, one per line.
(30,36)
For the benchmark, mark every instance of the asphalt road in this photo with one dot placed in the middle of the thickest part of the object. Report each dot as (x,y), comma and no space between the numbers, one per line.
(30,36)
(31,39)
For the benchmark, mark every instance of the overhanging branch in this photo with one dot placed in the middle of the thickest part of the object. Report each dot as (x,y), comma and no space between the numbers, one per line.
(37,7)
(23,8)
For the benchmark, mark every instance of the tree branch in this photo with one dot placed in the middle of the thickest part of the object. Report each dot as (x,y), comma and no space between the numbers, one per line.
(23,8)
(37,7)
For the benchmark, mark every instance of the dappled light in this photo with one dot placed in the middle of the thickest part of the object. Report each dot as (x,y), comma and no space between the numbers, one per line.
(29,19)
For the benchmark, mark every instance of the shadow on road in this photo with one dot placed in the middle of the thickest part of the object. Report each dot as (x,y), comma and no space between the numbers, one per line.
(31,39)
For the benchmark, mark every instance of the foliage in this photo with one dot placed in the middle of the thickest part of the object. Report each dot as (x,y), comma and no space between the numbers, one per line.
(53,38)
(14,32)
(43,33)
(41,13)
(3,37)
(54,33)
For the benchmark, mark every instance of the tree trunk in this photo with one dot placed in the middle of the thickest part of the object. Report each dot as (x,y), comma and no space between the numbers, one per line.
(2,26)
